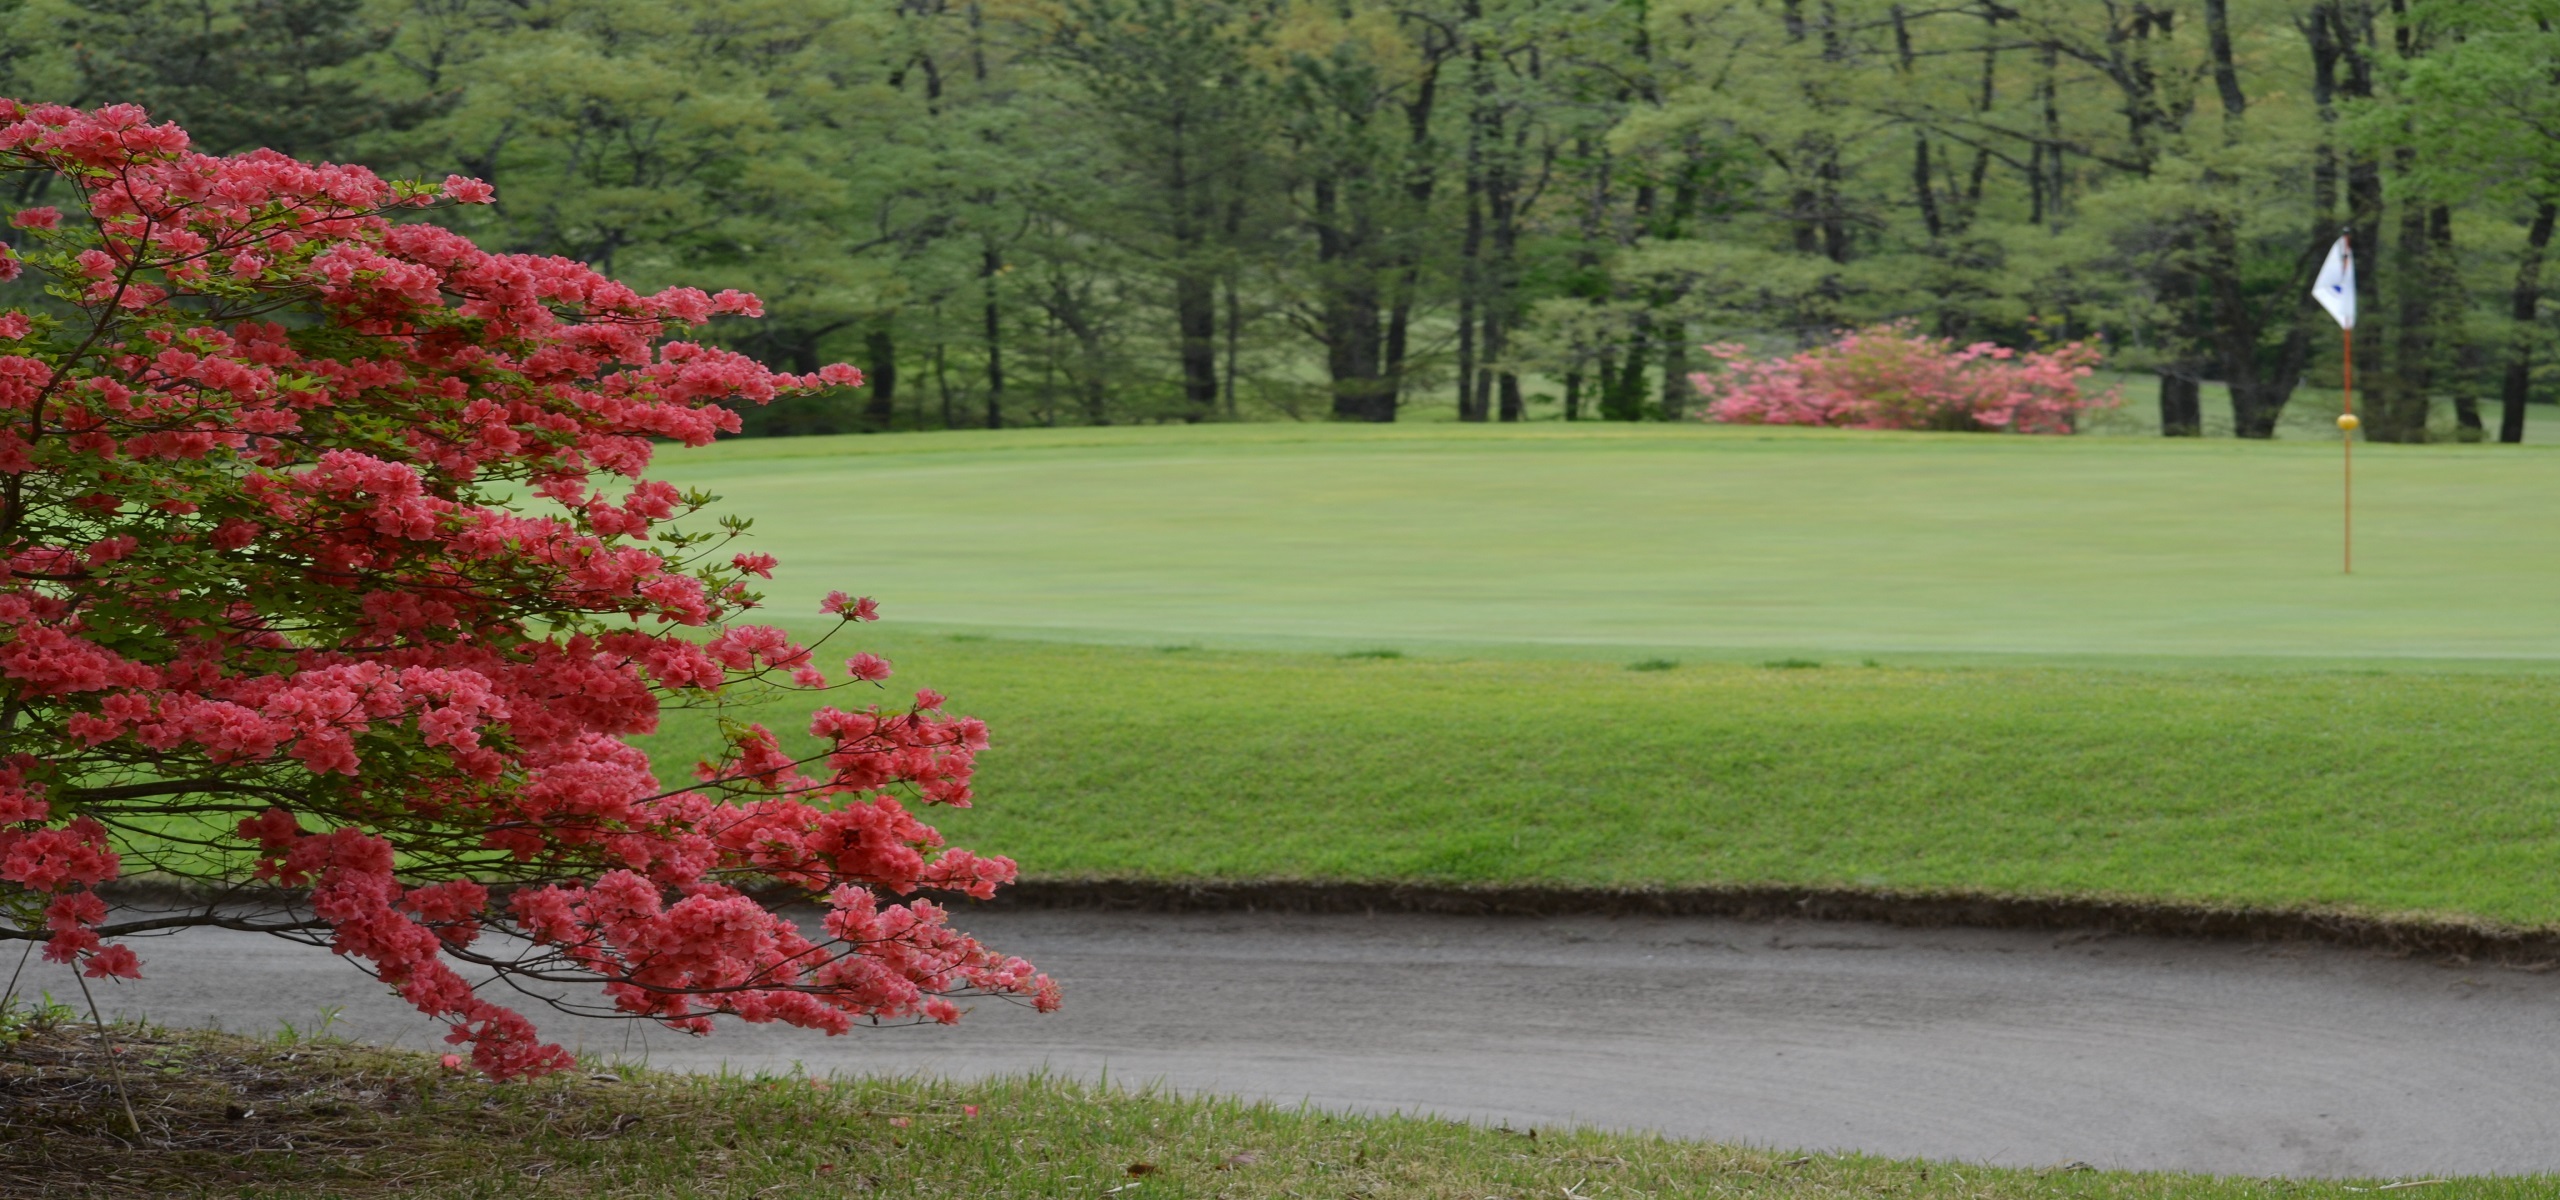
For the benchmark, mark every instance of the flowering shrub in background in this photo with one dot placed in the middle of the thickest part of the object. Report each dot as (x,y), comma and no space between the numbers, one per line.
(327,561)
(1890,377)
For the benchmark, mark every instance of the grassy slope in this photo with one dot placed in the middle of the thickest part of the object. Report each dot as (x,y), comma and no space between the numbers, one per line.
(2114,667)
(2408,792)
(229,1116)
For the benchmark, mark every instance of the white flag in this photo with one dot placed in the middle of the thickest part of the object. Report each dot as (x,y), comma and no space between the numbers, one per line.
(2336,289)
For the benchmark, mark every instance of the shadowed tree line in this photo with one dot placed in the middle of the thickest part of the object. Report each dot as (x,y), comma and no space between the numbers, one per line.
(1021,212)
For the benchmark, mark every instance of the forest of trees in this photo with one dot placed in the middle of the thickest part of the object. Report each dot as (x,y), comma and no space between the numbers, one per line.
(1035,212)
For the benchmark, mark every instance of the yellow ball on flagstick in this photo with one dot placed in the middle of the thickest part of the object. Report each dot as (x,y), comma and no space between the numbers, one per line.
(2348,422)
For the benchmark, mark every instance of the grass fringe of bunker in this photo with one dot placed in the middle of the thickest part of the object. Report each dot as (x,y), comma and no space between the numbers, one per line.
(225,1115)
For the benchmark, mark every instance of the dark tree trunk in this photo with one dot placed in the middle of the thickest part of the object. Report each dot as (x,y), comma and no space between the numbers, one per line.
(1195,303)
(2401,412)
(1502,186)
(2049,191)
(1421,180)
(1354,356)
(2518,386)
(1235,342)
(1195,295)
(1470,284)
(1982,105)
(2181,404)
(1675,371)
(1631,382)
(2035,184)
(1622,379)
(942,384)
(1354,351)
(2352,25)
(1472,292)
(2226,74)
(2321,29)
(1573,395)
(1604,385)
(1835,224)
(2401,406)
(1235,305)
(1924,189)
(880,350)
(2445,283)
(989,267)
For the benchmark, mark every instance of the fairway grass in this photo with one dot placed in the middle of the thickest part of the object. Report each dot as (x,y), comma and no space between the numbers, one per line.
(2407,794)
(1601,540)
(232,1116)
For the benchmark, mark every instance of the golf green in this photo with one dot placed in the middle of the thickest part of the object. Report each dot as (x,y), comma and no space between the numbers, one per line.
(1590,540)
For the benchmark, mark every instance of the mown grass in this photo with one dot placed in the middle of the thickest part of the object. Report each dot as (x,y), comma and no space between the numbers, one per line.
(223,1115)
(2407,793)
(1616,541)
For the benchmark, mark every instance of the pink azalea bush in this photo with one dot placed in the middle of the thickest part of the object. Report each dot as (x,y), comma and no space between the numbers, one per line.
(1891,377)
(327,561)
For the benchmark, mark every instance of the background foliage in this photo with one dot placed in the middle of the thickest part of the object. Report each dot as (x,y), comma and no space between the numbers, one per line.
(1106,211)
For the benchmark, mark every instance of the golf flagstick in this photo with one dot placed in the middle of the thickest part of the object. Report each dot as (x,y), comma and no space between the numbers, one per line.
(2336,291)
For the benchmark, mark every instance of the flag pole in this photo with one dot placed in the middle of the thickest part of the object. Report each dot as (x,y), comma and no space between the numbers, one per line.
(2335,290)
(2347,444)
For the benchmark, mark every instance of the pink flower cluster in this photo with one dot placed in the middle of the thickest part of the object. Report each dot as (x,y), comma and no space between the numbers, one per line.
(1891,377)
(352,587)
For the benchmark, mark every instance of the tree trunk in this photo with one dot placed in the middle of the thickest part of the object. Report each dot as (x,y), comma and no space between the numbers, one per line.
(2518,386)
(1235,303)
(2321,30)
(1675,371)
(2181,404)
(2444,283)
(1470,284)
(2353,27)
(2226,73)
(1924,189)
(1631,378)
(2401,412)
(1982,104)
(989,266)
(1235,342)
(942,384)
(1604,385)
(1195,304)
(1502,184)
(880,350)
(1350,311)
(1354,354)
(2049,91)
(1622,379)
(1421,180)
